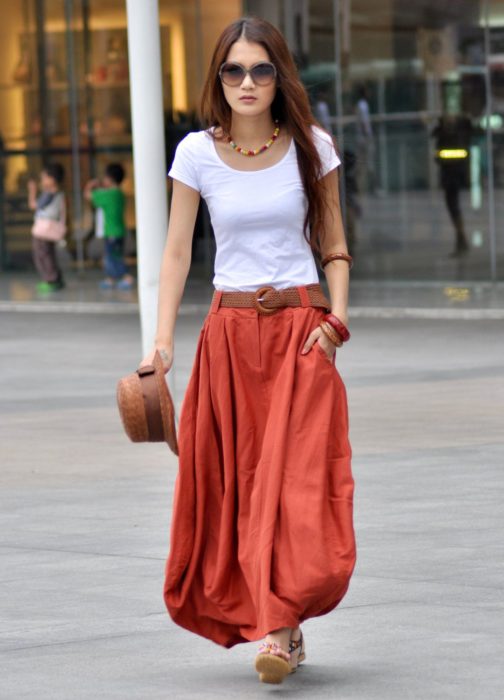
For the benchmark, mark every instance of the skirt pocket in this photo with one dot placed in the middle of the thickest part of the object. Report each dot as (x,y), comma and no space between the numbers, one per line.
(322,352)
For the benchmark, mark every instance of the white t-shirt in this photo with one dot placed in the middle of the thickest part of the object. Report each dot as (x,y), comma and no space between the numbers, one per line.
(257,216)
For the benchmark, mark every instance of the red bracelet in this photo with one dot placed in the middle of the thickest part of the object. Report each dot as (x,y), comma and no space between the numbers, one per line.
(338,326)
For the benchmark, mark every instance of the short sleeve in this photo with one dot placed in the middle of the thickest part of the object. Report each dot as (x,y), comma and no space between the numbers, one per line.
(99,197)
(327,152)
(184,166)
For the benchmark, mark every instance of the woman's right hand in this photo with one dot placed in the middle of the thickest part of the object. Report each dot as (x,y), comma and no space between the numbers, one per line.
(166,354)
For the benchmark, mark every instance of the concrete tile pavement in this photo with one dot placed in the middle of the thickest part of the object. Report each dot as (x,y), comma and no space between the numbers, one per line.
(85,518)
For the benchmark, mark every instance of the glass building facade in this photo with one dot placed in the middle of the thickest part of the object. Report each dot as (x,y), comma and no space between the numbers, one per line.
(413,91)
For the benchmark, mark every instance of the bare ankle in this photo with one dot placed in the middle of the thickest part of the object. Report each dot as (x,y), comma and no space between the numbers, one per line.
(281,637)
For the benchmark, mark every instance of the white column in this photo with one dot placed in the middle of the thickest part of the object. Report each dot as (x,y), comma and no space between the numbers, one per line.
(148,155)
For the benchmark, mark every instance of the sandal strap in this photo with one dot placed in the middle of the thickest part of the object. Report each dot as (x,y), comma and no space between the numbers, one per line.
(268,647)
(296,644)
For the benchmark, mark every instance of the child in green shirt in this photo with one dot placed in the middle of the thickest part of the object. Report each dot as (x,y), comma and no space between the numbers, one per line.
(110,199)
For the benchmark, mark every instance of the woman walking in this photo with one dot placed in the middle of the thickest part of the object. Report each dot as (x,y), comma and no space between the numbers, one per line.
(262,534)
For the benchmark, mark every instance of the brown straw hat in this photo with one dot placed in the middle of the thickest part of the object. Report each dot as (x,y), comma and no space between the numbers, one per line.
(146,406)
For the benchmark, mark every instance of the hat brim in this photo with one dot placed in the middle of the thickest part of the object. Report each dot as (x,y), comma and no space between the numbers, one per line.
(166,404)
(132,407)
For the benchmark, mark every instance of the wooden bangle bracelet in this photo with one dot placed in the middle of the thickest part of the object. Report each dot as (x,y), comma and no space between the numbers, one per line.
(328,331)
(337,256)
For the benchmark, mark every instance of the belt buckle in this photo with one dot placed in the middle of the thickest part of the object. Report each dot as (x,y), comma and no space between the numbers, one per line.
(264,310)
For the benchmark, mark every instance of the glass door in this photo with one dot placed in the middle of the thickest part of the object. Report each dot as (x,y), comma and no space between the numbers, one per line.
(33,99)
(64,97)
(415,117)
(413,92)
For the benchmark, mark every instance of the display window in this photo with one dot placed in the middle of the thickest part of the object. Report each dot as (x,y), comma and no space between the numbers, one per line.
(65,97)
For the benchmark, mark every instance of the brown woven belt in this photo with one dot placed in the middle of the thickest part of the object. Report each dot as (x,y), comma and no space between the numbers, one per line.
(268,300)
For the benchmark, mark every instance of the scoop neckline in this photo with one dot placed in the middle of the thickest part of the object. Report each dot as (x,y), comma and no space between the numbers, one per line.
(248,172)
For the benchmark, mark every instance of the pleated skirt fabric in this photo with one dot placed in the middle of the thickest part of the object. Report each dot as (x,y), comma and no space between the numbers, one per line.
(262,534)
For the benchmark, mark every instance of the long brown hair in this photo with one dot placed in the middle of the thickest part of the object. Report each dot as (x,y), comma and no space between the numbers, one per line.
(290,106)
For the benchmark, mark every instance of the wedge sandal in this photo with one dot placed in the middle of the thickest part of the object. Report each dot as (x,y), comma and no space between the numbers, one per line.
(270,665)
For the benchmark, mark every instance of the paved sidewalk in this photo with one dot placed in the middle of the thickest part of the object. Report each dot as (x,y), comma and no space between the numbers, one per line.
(84,518)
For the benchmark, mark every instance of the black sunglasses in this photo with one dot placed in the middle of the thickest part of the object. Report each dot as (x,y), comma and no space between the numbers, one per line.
(233,74)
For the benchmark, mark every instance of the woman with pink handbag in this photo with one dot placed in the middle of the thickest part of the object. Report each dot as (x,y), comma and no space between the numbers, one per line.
(49,226)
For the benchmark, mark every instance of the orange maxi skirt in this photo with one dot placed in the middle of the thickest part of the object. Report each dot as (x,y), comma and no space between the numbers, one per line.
(262,534)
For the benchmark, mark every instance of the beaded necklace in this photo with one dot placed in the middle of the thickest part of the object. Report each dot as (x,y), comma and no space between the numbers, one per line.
(256,151)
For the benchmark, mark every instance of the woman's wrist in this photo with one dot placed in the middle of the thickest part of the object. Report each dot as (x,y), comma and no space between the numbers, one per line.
(163,342)
(342,314)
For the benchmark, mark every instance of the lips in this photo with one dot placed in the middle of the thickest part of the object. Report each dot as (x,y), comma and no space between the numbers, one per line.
(248,99)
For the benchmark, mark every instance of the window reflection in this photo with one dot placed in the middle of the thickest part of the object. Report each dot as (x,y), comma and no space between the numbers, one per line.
(39,41)
(391,79)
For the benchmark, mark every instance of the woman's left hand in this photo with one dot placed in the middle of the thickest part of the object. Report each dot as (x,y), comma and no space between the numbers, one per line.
(318,336)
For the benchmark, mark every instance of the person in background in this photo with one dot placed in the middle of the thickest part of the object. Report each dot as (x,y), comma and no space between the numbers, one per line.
(321,111)
(109,197)
(365,172)
(453,134)
(49,225)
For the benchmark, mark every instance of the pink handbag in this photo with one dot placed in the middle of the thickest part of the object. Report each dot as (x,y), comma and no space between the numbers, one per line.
(50,229)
